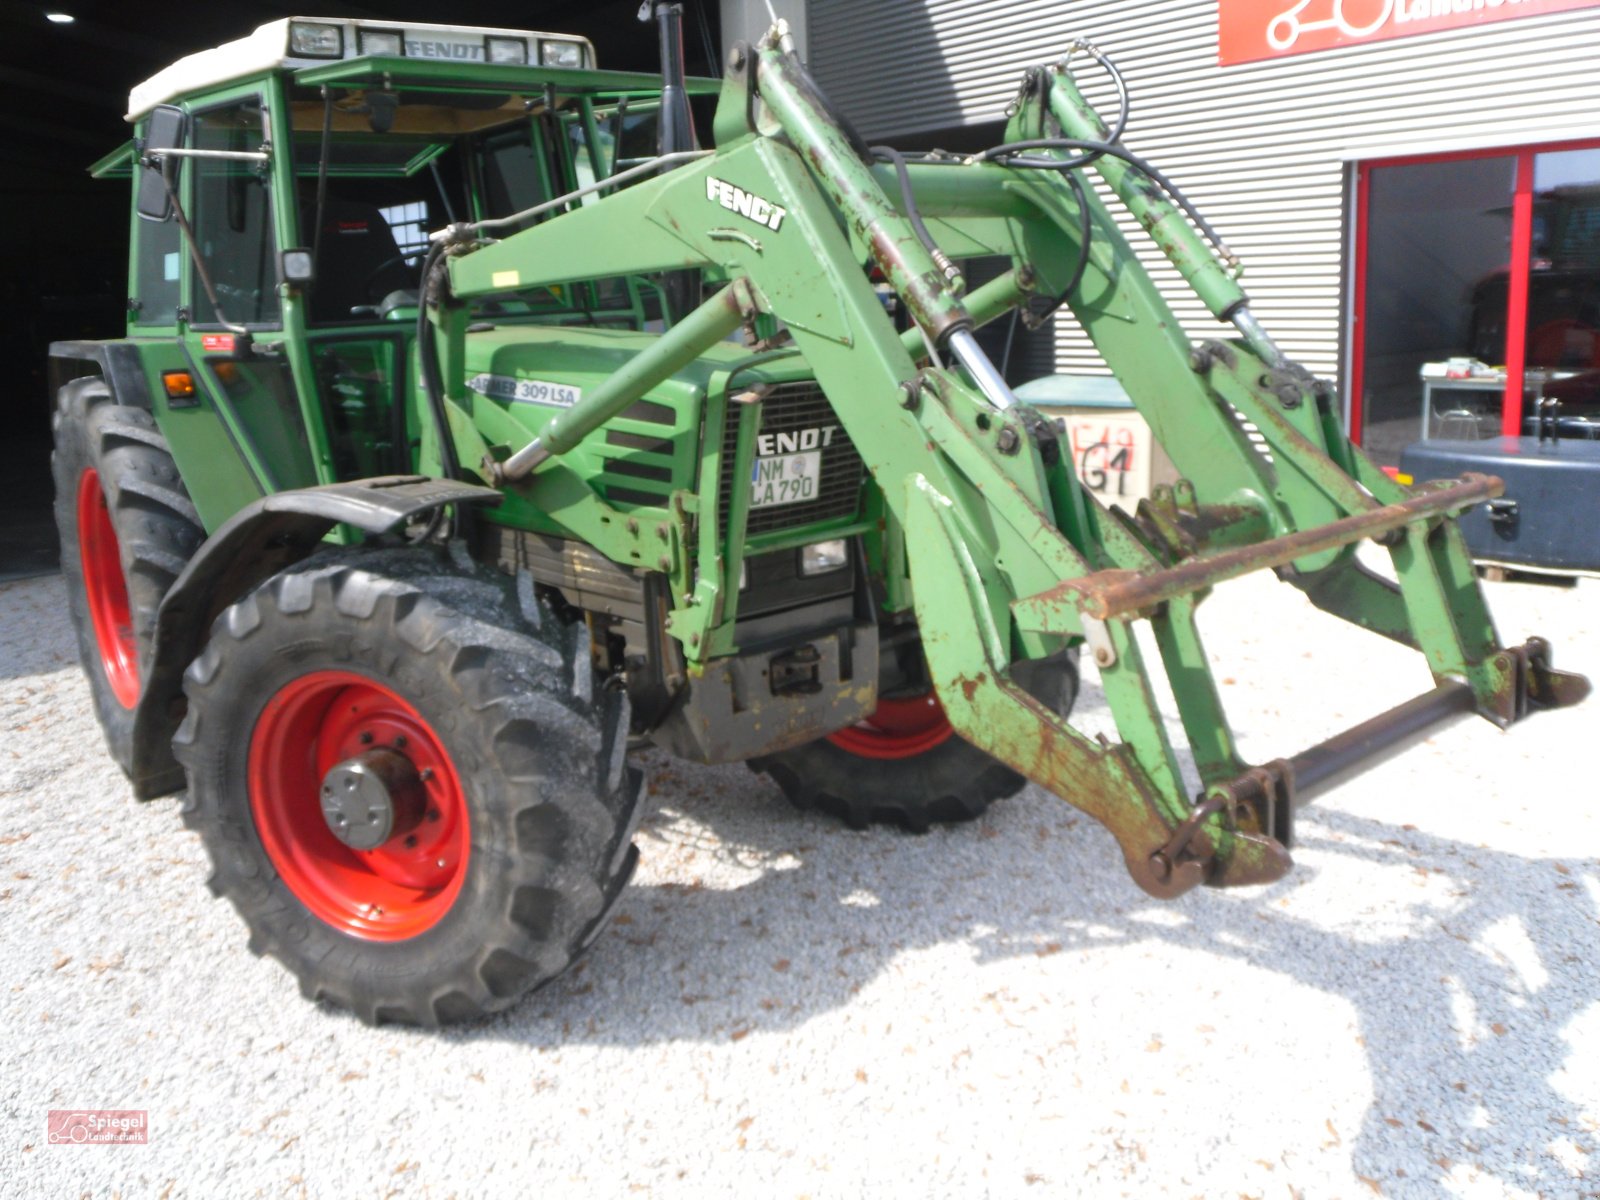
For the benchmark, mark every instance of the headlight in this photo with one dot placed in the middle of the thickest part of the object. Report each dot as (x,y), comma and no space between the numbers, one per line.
(387,42)
(821,557)
(297,265)
(507,50)
(561,54)
(309,40)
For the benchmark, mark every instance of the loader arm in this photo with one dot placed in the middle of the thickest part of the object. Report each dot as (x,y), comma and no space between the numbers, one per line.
(1009,556)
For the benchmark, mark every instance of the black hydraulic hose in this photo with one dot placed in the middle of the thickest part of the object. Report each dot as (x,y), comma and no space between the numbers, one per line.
(908,200)
(1011,153)
(1085,232)
(889,154)
(1123,102)
(428,366)
(433,390)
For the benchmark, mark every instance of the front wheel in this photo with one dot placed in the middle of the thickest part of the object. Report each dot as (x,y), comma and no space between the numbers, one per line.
(413,792)
(906,765)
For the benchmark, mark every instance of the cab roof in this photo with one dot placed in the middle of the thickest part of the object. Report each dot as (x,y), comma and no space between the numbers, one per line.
(284,43)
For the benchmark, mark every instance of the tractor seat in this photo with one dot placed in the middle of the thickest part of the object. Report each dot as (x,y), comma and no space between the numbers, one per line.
(358,259)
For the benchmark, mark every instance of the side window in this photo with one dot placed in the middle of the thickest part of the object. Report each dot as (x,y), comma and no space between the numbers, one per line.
(233,220)
(155,272)
(511,180)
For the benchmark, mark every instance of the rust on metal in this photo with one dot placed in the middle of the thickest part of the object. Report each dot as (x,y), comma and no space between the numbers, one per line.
(1115,593)
(1528,682)
(888,236)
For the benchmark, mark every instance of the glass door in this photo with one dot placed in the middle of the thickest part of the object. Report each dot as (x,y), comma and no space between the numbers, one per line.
(1561,322)
(1431,301)
(1476,297)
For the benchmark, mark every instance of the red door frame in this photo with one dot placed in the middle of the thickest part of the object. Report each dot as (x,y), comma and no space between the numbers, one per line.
(1517,296)
(1520,268)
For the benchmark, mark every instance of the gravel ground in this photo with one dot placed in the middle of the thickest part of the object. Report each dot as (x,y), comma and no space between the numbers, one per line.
(786,1008)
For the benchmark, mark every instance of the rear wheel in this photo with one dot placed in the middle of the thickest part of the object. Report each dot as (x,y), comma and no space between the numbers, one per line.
(905,764)
(411,791)
(127,530)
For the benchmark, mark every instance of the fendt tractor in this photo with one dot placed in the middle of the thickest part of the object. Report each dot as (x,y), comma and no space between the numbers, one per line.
(483,415)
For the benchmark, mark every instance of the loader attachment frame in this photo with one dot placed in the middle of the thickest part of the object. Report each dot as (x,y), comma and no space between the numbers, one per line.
(1008,557)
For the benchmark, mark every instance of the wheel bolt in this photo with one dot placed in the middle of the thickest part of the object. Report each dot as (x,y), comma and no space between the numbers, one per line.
(400,741)
(411,841)
(426,775)
(441,862)
(366,738)
(433,814)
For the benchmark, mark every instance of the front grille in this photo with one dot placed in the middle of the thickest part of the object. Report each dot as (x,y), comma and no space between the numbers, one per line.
(792,407)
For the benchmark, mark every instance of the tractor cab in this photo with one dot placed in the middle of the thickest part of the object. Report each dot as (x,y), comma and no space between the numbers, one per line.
(304,167)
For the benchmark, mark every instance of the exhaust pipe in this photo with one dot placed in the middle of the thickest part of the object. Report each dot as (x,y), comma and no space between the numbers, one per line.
(675,133)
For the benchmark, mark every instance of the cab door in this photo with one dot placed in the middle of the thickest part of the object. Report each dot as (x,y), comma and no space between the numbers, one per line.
(248,378)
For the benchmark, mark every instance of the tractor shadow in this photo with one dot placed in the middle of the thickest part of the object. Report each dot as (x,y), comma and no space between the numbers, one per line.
(724,934)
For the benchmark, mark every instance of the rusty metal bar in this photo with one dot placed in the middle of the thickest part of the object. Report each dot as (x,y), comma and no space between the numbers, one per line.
(1115,593)
(1324,765)
(1330,762)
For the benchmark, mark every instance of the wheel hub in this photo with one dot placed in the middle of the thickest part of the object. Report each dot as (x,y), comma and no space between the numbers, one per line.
(397,864)
(368,799)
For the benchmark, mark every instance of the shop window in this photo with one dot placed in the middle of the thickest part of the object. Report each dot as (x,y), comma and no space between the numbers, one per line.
(1477,296)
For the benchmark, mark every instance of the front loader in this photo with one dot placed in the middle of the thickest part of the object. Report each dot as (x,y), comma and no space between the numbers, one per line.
(697,449)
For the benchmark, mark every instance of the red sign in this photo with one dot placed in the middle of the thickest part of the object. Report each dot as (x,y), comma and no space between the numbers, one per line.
(1251,30)
(217,343)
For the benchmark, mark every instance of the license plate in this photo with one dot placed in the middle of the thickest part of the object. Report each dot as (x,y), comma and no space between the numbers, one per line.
(785,479)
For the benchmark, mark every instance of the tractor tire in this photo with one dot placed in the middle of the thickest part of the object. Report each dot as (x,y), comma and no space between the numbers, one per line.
(494,829)
(127,530)
(905,765)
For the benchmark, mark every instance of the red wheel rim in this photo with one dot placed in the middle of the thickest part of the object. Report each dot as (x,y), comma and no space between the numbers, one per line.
(406,885)
(899,728)
(107,591)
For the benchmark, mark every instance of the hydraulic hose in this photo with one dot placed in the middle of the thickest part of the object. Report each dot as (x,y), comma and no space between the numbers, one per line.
(889,154)
(433,383)
(1012,154)
(1124,104)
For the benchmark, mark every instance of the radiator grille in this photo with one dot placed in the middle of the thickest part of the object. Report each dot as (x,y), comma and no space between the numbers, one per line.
(791,407)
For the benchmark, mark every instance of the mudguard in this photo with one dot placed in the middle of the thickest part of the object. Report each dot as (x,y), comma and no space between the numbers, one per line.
(250,547)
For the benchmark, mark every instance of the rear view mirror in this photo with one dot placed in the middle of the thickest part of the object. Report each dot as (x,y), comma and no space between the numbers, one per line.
(166,131)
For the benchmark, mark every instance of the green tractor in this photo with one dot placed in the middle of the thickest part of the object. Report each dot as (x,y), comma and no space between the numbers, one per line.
(475,425)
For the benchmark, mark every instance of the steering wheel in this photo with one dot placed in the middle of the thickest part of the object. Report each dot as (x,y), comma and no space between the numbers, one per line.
(393,260)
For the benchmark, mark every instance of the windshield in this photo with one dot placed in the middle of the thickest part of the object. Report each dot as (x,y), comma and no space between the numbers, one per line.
(377,171)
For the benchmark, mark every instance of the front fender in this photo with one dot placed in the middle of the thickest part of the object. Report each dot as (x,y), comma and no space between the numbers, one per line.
(254,544)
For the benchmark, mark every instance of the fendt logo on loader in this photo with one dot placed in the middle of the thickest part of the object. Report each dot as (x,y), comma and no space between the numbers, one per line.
(746,204)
